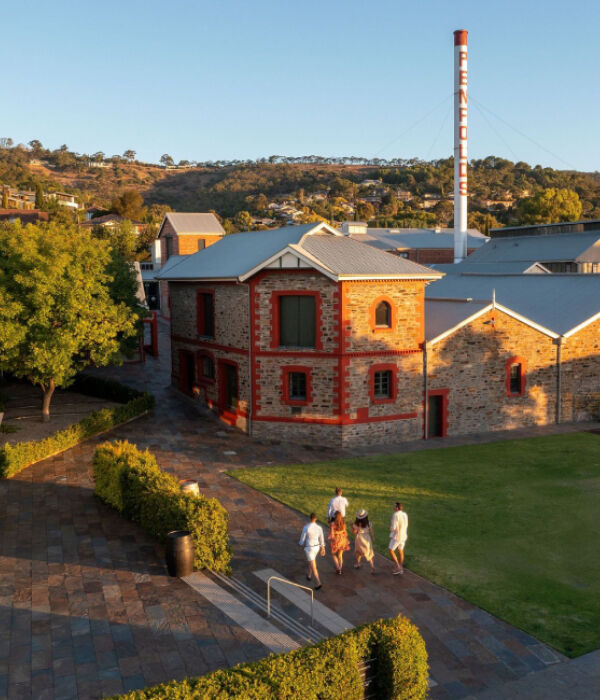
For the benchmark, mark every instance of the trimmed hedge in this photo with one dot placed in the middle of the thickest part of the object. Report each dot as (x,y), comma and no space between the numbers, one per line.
(16,456)
(324,671)
(103,388)
(132,482)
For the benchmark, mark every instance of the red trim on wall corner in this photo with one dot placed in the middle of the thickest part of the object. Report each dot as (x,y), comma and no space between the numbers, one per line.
(285,384)
(275,329)
(516,360)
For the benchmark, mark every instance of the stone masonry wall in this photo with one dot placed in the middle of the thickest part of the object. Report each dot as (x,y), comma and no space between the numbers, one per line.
(471,363)
(580,361)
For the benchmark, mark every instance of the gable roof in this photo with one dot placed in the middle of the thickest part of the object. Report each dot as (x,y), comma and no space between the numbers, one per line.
(559,303)
(193,223)
(318,246)
(557,247)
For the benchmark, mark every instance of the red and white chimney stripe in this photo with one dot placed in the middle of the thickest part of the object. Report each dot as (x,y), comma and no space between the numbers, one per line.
(461,190)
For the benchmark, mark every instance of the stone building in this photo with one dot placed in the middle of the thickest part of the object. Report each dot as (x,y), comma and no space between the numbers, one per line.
(305,334)
(184,233)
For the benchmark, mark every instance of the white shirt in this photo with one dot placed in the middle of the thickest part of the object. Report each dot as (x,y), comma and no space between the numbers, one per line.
(312,536)
(399,525)
(337,504)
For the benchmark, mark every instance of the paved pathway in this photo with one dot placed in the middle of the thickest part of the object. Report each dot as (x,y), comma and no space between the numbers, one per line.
(91,611)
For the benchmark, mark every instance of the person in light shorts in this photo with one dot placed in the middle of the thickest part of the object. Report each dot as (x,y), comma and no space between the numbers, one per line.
(398,537)
(313,541)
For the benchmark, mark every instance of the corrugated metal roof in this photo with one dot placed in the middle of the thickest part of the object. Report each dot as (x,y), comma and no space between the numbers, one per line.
(546,248)
(556,302)
(388,239)
(441,316)
(236,255)
(194,222)
(345,256)
(491,268)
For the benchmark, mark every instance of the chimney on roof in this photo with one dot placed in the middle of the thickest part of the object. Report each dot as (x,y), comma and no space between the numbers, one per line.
(460,145)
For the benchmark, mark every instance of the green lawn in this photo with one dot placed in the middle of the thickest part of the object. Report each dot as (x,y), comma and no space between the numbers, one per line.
(513,527)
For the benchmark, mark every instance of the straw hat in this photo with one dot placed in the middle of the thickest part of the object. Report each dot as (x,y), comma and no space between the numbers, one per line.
(362,513)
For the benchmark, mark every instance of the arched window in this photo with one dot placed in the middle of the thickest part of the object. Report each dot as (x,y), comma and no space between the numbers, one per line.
(383,315)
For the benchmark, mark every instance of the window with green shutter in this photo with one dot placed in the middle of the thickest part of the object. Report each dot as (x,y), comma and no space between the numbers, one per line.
(297,321)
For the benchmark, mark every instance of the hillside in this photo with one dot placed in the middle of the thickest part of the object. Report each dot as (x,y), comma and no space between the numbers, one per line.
(399,192)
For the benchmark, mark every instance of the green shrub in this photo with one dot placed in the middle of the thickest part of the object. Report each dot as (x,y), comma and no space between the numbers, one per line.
(103,388)
(15,457)
(324,671)
(132,482)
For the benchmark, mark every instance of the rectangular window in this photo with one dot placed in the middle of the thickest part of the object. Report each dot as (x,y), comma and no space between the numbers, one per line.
(206,315)
(297,324)
(515,378)
(382,388)
(297,386)
(169,246)
(201,244)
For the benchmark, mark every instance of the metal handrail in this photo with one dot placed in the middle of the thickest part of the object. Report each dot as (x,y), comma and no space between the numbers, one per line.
(297,585)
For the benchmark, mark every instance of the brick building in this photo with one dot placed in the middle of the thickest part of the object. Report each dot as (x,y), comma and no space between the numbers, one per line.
(185,233)
(301,333)
(307,335)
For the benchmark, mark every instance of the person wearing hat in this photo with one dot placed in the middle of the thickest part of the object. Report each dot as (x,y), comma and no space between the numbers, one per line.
(398,535)
(363,544)
(313,541)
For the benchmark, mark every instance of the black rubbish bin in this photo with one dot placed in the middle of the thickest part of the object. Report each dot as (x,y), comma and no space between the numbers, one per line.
(180,553)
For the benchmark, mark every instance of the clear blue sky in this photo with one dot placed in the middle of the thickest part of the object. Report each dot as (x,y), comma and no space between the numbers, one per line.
(203,79)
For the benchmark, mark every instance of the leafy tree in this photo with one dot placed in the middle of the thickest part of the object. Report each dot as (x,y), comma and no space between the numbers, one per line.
(243,221)
(550,206)
(39,196)
(129,155)
(57,316)
(123,289)
(98,157)
(35,145)
(129,204)
(5,198)
(122,238)
(483,222)
(365,211)
(166,159)
(6,142)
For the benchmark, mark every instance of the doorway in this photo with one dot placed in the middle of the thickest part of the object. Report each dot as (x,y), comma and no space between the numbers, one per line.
(186,371)
(437,402)
(228,389)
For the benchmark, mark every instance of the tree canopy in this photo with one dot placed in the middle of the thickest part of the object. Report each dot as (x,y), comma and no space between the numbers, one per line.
(550,206)
(57,316)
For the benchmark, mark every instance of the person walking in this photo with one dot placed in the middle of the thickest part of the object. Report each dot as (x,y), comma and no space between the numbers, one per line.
(363,545)
(398,536)
(313,541)
(339,541)
(337,504)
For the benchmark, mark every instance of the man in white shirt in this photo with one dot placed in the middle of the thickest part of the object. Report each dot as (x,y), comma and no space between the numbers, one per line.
(313,541)
(398,536)
(337,504)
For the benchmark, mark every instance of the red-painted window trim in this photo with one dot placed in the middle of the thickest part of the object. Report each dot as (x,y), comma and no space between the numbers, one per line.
(201,379)
(382,329)
(275,336)
(516,360)
(285,384)
(200,319)
(394,387)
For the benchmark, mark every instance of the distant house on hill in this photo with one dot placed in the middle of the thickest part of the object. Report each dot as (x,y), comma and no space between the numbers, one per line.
(19,199)
(112,221)
(64,199)
(422,245)
(95,211)
(26,216)
(184,233)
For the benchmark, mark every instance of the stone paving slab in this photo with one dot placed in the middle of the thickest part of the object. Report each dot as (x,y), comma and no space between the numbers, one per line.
(89,609)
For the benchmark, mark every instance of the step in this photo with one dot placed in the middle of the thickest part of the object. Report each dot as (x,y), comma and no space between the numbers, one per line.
(305,633)
(263,630)
(325,616)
